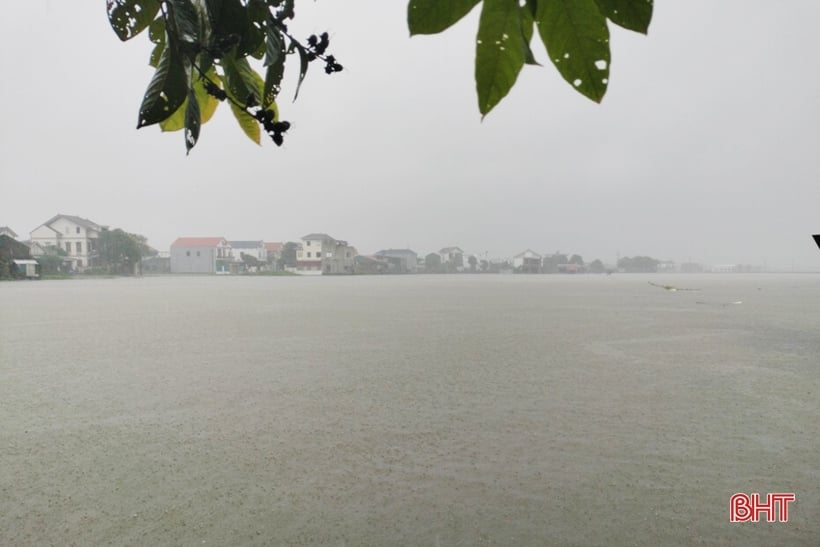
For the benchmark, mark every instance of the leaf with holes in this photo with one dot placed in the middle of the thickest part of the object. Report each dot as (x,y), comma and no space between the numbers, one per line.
(241,80)
(192,121)
(167,90)
(500,51)
(130,17)
(303,67)
(207,104)
(434,16)
(577,41)
(629,14)
(275,47)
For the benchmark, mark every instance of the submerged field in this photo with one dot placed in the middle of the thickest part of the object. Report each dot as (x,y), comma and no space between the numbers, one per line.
(419,410)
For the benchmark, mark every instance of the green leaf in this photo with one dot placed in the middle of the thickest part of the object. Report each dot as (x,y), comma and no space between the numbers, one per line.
(231,18)
(241,79)
(273,81)
(500,51)
(630,14)
(186,20)
(156,31)
(207,104)
(248,124)
(167,90)
(214,9)
(275,47)
(192,121)
(240,82)
(156,55)
(434,16)
(130,17)
(577,41)
(303,67)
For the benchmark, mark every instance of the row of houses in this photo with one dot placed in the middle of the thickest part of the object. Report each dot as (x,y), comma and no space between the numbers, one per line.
(315,254)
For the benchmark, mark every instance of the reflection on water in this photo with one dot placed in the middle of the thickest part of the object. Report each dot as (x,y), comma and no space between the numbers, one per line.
(423,410)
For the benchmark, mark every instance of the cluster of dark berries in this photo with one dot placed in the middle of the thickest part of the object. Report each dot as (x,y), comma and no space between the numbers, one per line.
(275,130)
(319,45)
(215,91)
(331,65)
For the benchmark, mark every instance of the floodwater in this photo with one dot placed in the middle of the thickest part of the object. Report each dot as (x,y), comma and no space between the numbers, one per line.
(420,410)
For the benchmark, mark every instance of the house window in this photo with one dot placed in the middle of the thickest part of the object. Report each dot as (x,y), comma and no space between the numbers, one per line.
(80,263)
(197,253)
(308,243)
(308,254)
(79,248)
(67,247)
(78,229)
(187,253)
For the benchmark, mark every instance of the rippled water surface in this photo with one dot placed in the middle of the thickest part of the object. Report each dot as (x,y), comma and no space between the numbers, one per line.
(420,410)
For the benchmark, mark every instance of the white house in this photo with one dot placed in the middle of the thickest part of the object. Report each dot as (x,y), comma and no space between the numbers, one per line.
(201,255)
(527,262)
(254,249)
(75,235)
(321,254)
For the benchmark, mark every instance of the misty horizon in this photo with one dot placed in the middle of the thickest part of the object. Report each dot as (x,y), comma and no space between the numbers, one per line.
(702,151)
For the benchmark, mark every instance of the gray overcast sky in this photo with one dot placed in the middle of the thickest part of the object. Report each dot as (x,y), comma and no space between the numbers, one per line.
(705,148)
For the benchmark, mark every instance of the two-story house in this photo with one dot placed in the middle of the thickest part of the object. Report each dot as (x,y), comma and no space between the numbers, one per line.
(321,254)
(75,235)
(452,258)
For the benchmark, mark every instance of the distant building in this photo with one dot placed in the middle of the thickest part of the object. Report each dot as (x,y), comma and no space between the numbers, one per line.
(691,267)
(452,258)
(667,266)
(432,263)
(321,254)
(6,231)
(527,262)
(255,249)
(201,255)
(157,264)
(273,253)
(15,259)
(75,235)
(370,265)
(408,260)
